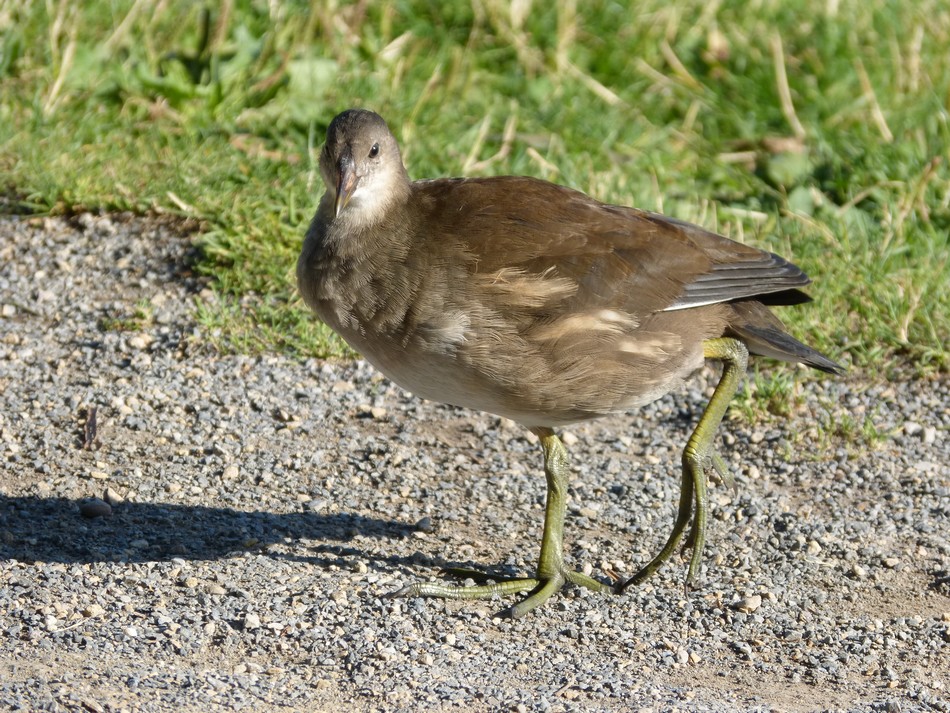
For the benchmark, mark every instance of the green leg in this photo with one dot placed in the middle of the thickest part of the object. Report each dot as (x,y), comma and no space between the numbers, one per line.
(697,457)
(551,574)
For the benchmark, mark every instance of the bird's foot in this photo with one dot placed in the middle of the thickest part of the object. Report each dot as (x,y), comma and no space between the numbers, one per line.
(541,587)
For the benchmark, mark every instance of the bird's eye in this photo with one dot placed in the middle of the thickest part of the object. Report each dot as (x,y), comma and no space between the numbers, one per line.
(374,151)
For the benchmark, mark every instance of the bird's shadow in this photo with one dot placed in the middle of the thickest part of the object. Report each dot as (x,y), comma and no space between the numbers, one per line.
(34,529)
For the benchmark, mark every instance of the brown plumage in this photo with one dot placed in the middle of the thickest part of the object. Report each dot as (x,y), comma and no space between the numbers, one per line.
(523,298)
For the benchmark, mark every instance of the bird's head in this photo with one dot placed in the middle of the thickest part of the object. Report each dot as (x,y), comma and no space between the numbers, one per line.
(362,167)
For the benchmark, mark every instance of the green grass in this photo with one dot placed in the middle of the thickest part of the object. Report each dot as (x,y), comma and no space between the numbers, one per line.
(817,129)
(140,319)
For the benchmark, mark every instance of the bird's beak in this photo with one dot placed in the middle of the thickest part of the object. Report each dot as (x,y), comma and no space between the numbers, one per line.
(346,181)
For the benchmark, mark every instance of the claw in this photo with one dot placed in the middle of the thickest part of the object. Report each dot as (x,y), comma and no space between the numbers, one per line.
(722,470)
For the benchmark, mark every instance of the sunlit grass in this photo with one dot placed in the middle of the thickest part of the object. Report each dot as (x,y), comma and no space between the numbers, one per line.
(815,129)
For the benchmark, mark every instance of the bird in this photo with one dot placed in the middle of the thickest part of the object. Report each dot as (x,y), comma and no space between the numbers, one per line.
(535,302)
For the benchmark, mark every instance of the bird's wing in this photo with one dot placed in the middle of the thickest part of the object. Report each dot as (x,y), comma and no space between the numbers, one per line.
(736,271)
(618,257)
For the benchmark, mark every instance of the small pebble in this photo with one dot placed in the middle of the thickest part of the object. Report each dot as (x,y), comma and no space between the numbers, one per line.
(748,604)
(95,507)
(112,497)
(93,610)
(139,341)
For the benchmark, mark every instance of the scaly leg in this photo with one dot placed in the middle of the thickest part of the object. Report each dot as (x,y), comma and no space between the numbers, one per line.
(551,574)
(697,457)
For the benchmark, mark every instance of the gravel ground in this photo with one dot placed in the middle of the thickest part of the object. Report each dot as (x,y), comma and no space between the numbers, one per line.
(224,537)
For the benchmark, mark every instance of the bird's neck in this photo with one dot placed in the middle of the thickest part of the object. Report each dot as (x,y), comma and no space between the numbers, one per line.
(353,245)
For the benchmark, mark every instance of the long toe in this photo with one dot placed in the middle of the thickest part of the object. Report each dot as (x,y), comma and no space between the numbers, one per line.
(541,589)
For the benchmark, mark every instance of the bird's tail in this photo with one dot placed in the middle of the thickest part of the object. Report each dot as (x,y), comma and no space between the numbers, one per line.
(764,334)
